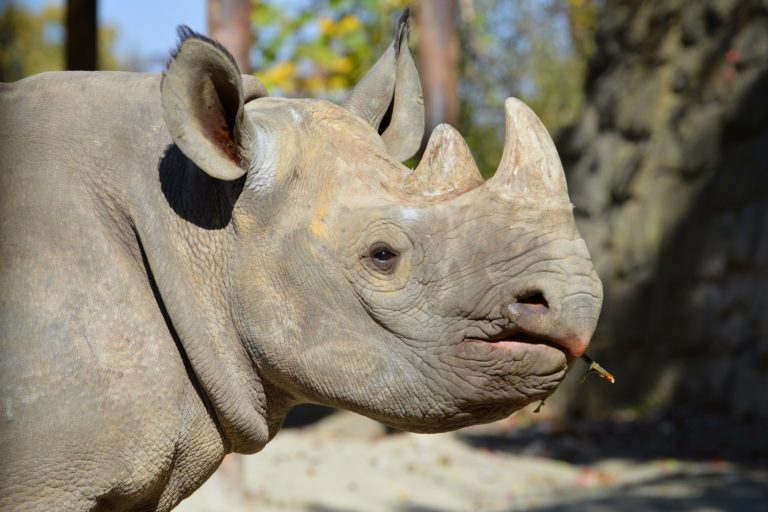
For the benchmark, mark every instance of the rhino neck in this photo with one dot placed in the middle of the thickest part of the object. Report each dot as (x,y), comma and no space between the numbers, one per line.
(185,232)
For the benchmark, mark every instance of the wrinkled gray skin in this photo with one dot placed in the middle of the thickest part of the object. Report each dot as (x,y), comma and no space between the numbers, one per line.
(180,269)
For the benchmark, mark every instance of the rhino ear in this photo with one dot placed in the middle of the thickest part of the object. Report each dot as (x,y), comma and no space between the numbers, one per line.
(203,97)
(392,87)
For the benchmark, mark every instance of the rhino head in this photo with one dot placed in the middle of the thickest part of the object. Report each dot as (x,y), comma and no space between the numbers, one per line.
(428,299)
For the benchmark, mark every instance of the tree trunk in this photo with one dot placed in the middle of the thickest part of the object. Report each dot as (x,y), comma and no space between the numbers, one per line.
(438,62)
(81,46)
(229,22)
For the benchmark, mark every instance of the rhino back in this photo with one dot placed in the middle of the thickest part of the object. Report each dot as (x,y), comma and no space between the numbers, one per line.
(88,363)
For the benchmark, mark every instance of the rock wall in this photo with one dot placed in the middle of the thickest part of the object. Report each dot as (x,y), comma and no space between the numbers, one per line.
(668,171)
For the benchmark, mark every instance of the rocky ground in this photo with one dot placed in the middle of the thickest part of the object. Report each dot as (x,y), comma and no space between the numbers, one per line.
(347,463)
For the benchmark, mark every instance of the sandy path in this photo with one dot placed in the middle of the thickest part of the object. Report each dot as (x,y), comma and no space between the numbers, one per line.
(346,463)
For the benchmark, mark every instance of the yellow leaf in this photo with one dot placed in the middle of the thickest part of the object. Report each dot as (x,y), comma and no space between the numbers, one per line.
(282,71)
(282,75)
(326,26)
(342,65)
(349,23)
(338,82)
(315,84)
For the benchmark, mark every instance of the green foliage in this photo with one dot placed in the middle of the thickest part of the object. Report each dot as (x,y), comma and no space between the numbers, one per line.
(29,42)
(33,42)
(528,49)
(321,47)
(532,49)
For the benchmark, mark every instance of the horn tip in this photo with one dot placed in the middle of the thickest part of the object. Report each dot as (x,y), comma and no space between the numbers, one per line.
(530,166)
(444,133)
(519,117)
(514,105)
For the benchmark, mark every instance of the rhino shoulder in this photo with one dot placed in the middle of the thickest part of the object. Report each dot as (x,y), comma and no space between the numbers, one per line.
(67,101)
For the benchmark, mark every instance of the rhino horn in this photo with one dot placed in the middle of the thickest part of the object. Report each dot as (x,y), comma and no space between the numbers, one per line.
(447,167)
(530,167)
(392,87)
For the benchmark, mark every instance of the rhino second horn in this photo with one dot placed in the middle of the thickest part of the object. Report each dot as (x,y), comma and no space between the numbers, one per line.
(447,167)
(530,167)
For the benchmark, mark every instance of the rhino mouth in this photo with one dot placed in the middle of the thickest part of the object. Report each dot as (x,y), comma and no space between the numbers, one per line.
(519,339)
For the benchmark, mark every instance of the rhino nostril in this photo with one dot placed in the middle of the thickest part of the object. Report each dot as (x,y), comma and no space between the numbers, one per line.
(534,299)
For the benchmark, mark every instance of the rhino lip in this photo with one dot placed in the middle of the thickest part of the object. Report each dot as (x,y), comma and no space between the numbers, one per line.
(520,337)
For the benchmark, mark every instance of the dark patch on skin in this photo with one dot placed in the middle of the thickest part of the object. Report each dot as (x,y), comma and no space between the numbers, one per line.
(219,118)
(196,197)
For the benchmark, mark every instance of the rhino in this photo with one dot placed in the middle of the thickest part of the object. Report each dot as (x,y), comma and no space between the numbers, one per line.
(185,259)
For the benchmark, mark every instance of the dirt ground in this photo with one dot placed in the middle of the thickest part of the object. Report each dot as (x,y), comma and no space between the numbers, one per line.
(347,463)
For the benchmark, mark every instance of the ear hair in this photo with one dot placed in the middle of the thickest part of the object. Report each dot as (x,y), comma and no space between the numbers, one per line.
(403,30)
(183,32)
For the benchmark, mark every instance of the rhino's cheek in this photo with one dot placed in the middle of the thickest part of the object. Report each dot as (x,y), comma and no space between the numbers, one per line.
(510,373)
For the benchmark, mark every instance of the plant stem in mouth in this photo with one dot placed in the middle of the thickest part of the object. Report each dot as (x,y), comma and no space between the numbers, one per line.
(599,370)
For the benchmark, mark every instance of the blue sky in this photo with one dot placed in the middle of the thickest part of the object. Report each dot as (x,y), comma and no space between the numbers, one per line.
(145,27)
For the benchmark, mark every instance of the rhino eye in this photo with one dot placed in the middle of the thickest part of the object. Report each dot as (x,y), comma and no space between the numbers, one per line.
(383,257)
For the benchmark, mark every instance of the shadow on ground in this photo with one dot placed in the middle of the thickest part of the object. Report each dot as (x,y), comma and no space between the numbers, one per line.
(710,492)
(679,493)
(694,438)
